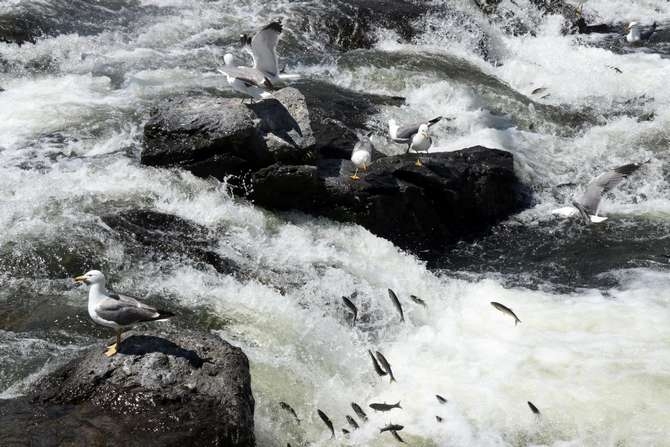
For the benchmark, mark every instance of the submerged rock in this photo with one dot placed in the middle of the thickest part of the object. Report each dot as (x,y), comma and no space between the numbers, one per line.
(452,196)
(167,389)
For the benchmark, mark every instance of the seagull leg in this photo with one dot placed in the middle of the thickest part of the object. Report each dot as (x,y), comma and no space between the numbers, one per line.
(418,162)
(365,167)
(113,349)
(355,176)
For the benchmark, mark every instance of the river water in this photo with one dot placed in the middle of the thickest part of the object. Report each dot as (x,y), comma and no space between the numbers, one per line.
(593,349)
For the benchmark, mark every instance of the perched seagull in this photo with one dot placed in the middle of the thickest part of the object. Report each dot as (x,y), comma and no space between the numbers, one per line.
(263,50)
(413,135)
(635,33)
(246,80)
(120,312)
(587,206)
(361,155)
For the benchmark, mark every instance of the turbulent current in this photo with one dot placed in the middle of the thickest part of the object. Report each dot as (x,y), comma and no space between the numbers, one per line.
(593,349)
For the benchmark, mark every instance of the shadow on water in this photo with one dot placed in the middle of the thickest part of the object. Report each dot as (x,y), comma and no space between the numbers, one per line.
(146,344)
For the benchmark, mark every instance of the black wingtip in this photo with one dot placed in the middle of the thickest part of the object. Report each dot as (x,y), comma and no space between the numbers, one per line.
(434,120)
(275,25)
(629,168)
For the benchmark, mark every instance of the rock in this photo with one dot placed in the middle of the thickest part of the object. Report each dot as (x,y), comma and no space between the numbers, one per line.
(167,389)
(350,24)
(213,136)
(157,234)
(453,196)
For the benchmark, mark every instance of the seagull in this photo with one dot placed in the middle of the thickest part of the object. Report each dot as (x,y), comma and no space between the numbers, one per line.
(588,205)
(361,155)
(246,80)
(119,312)
(413,135)
(635,33)
(263,50)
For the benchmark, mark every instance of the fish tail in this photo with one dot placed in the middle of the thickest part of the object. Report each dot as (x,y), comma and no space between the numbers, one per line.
(517,321)
(398,405)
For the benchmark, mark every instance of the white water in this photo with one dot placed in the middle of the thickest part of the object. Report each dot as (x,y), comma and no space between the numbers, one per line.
(594,361)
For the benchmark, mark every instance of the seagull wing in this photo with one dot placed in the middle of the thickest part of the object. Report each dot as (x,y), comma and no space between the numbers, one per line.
(247,74)
(434,121)
(407,132)
(646,35)
(125,310)
(264,48)
(603,183)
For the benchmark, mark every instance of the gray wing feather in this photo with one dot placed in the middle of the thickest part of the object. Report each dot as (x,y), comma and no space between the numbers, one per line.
(407,132)
(246,74)
(603,183)
(264,48)
(125,310)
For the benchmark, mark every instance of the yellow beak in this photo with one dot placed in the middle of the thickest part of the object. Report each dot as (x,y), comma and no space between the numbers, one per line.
(80,279)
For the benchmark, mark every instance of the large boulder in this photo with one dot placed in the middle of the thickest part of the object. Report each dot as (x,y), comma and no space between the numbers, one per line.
(452,196)
(215,136)
(167,389)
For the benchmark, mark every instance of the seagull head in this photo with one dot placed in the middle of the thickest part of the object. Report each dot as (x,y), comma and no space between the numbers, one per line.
(632,25)
(92,277)
(228,59)
(423,130)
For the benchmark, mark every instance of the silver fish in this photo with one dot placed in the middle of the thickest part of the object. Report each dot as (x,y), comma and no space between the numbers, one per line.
(396,303)
(352,307)
(326,420)
(359,411)
(391,427)
(290,409)
(441,399)
(418,300)
(506,310)
(385,365)
(533,408)
(378,368)
(352,422)
(385,406)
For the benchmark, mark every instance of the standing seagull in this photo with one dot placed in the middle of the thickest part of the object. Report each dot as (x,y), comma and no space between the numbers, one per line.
(120,312)
(246,80)
(588,205)
(635,33)
(415,136)
(263,50)
(362,154)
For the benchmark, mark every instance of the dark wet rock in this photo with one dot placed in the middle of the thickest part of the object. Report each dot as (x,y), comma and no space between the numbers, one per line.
(151,233)
(454,195)
(162,389)
(214,136)
(350,24)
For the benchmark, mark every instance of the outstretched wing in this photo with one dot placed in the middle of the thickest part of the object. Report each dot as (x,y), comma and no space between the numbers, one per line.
(264,48)
(603,183)
(125,310)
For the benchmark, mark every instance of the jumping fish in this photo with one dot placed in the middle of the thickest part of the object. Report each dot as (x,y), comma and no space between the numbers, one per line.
(441,399)
(378,368)
(506,310)
(391,427)
(385,365)
(396,303)
(352,307)
(418,300)
(533,408)
(326,420)
(359,411)
(385,406)
(352,422)
(290,409)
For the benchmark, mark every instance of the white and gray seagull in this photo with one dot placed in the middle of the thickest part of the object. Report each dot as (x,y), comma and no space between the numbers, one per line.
(361,155)
(588,205)
(246,80)
(636,34)
(116,311)
(416,136)
(263,50)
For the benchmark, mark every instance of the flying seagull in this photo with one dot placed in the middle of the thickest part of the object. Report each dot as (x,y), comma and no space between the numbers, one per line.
(263,50)
(361,155)
(119,312)
(246,80)
(636,34)
(416,136)
(588,205)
